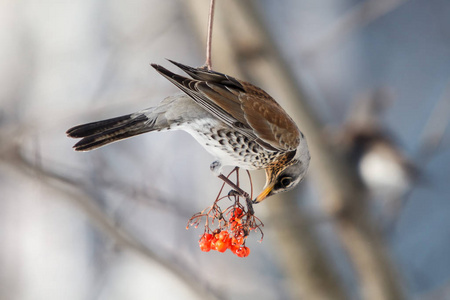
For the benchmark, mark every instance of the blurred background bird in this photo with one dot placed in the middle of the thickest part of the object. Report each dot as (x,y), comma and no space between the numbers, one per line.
(382,164)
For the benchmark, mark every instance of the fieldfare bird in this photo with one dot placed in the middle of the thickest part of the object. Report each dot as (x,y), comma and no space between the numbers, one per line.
(237,122)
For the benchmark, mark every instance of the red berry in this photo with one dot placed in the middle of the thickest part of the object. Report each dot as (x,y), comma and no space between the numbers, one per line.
(223,236)
(237,212)
(236,241)
(235,225)
(229,245)
(221,246)
(205,247)
(243,251)
(205,242)
(234,248)
(207,236)
(213,243)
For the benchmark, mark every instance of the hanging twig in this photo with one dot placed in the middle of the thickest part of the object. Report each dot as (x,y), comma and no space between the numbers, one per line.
(238,191)
(208,63)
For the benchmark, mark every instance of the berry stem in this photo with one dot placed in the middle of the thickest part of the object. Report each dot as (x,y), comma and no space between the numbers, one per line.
(240,192)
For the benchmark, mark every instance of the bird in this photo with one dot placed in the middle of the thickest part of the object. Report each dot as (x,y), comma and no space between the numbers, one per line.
(382,165)
(235,121)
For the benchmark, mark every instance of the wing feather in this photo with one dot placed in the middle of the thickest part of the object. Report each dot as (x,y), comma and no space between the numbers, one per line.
(260,118)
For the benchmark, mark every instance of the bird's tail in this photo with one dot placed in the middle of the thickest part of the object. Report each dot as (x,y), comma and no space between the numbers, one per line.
(100,133)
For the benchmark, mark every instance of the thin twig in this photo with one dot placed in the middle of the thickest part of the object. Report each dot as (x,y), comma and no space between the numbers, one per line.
(240,191)
(434,130)
(208,62)
(430,143)
(251,183)
(355,18)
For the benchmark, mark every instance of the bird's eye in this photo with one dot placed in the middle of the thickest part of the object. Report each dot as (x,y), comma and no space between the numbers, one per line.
(286,181)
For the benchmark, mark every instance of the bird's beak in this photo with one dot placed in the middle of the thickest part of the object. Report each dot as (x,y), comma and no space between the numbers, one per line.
(264,193)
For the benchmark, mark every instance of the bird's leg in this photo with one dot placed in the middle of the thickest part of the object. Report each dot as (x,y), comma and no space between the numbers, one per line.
(247,198)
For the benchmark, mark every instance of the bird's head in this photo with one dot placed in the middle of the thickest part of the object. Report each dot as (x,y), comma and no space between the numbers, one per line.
(286,172)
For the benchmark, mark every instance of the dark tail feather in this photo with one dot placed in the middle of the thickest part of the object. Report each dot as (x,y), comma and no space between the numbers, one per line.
(96,127)
(205,75)
(97,134)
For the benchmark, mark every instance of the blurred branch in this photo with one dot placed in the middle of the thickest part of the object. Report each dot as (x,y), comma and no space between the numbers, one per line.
(439,293)
(430,141)
(72,190)
(302,257)
(434,129)
(248,47)
(297,245)
(362,14)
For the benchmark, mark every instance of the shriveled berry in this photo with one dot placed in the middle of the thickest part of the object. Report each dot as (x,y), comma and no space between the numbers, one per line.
(237,213)
(235,226)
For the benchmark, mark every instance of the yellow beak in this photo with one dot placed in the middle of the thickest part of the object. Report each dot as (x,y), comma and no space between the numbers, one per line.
(264,193)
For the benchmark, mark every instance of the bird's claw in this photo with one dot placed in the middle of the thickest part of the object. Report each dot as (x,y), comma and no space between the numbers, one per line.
(233,193)
(249,202)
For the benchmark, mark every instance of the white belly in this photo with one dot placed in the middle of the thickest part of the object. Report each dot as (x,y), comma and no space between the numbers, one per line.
(229,150)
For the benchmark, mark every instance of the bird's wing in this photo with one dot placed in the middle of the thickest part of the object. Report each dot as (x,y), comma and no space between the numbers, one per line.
(238,104)
(271,123)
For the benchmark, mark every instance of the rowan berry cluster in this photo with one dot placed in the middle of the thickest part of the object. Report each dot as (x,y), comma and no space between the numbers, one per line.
(232,238)
(232,225)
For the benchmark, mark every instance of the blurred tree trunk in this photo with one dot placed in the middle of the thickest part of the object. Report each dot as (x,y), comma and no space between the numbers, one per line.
(242,44)
(303,260)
